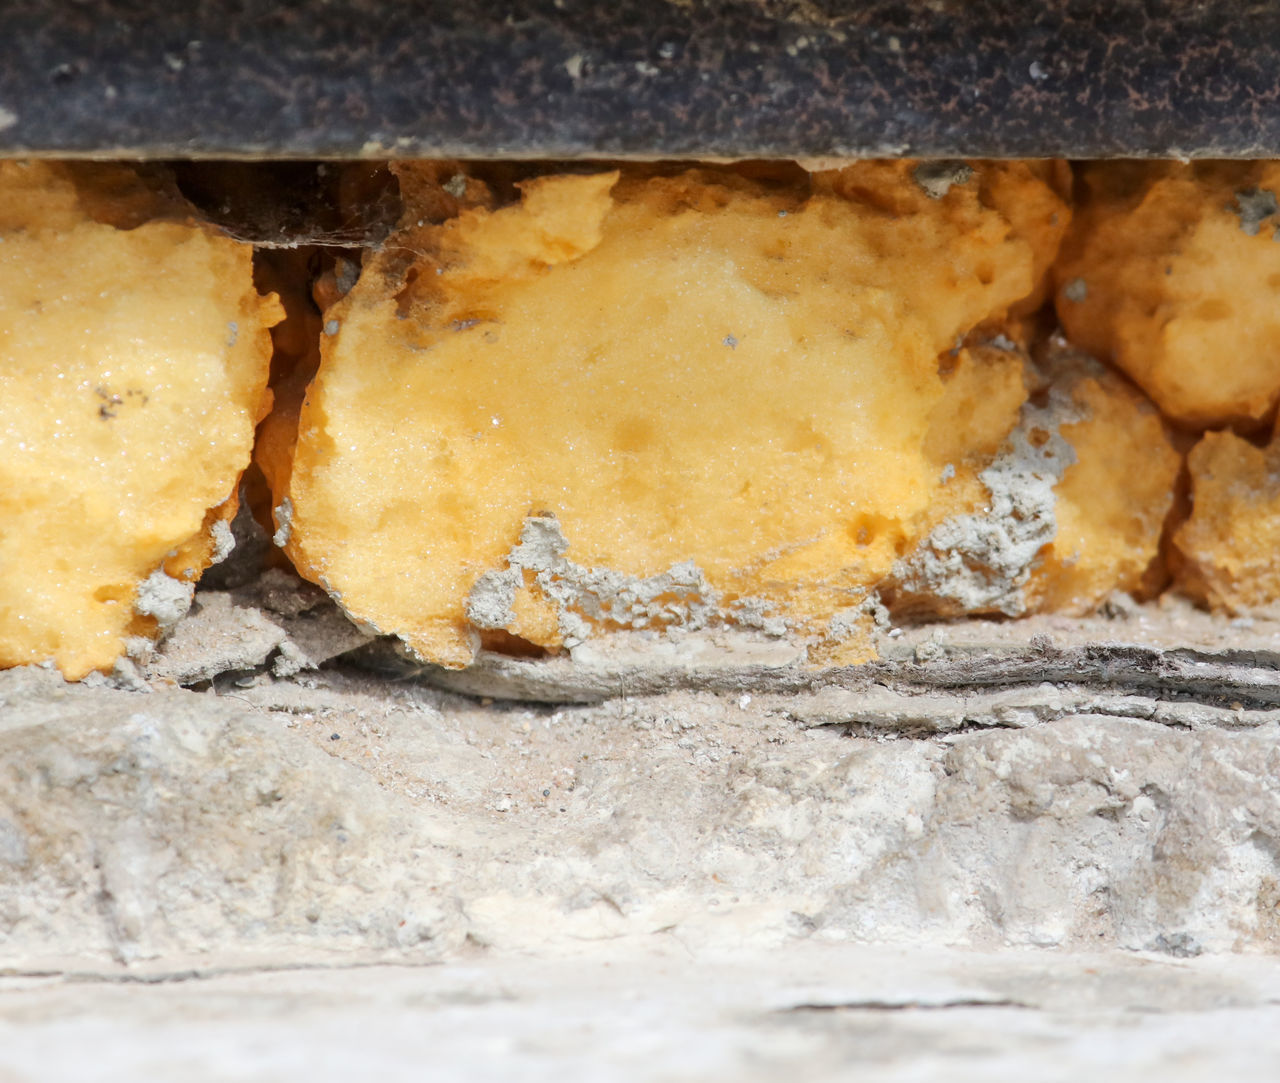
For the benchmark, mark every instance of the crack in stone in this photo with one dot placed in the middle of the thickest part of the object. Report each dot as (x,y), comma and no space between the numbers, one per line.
(198,974)
(874,1005)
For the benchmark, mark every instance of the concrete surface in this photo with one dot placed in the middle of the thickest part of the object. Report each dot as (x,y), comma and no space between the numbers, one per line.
(1005,852)
(811,1012)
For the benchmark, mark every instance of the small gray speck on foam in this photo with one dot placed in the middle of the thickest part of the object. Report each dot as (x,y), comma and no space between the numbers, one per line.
(1253,207)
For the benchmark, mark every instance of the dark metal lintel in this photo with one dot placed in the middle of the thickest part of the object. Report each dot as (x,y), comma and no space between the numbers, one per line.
(638,78)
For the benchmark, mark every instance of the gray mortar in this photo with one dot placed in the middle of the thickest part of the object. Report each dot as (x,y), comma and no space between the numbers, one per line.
(1253,207)
(880,709)
(138,648)
(244,561)
(284,523)
(491,598)
(680,596)
(849,622)
(277,623)
(757,613)
(224,541)
(980,563)
(164,598)
(937,178)
(124,675)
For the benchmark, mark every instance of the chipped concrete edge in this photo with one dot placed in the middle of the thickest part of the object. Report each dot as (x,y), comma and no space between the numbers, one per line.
(921,682)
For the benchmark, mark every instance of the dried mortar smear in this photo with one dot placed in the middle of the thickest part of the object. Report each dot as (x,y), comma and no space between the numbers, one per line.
(1070,507)
(133,368)
(637,399)
(1171,272)
(1116,497)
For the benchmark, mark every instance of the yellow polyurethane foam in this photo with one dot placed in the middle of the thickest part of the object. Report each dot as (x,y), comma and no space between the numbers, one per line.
(659,370)
(133,367)
(1173,273)
(1113,501)
(1226,550)
(1049,503)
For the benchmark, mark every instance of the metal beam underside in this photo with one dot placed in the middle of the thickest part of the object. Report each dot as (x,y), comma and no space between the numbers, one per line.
(638,78)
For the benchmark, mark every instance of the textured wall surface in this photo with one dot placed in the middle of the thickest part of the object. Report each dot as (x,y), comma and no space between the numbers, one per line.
(304,815)
(990,853)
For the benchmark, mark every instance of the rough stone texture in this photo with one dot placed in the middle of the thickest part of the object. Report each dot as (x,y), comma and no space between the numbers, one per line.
(741,871)
(277,621)
(340,813)
(562,78)
(1170,653)
(812,1012)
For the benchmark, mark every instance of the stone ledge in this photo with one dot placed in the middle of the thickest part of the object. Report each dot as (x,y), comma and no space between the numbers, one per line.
(339,813)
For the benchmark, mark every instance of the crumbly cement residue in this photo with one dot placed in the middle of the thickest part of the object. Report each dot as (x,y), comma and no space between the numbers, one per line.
(757,613)
(981,562)
(224,541)
(853,620)
(164,598)
(586,597)
(284,523)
